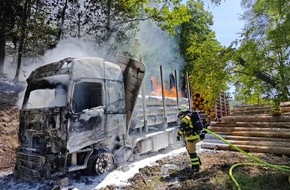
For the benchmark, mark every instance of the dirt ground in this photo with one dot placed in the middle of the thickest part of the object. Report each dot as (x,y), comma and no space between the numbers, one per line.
(166,174)
(173,173)
(9,115)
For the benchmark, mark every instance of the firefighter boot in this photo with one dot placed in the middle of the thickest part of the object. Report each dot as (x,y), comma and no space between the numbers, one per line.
(194,162)
(194,168)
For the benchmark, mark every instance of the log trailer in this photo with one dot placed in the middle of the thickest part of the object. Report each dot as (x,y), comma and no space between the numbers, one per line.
(86,114)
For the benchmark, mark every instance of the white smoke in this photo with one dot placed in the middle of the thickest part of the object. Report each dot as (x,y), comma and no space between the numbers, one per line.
(159,48)
(70,47)
(156,47)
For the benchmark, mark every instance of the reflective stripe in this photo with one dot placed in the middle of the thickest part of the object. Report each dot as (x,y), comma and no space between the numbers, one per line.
(192,137)
(187,120)
(194,159)
(195,163)
(180,133)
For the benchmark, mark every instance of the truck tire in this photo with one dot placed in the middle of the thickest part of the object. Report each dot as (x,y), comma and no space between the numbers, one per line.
(100,163)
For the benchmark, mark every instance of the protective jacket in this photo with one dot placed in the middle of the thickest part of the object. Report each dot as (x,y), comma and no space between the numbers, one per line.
(187,130)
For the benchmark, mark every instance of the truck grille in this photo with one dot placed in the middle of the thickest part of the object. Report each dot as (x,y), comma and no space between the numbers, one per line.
(31,159)
(29,173)
(30,165)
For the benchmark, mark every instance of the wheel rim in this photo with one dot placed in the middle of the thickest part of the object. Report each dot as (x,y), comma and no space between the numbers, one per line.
(104,163)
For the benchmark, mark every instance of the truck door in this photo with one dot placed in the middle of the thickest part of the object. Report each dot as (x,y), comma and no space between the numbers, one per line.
(87,118)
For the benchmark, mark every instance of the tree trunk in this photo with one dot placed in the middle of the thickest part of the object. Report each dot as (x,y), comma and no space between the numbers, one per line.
(2,49)
(108,24)
(62,17)
(3,23)
(26,11)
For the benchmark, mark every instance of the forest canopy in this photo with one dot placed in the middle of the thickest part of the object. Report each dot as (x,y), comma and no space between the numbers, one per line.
(257,64)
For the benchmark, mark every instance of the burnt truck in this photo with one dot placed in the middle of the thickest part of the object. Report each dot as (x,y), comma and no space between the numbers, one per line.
(86,114)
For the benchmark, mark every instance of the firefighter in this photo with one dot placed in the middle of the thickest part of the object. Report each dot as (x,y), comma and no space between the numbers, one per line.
(191,137)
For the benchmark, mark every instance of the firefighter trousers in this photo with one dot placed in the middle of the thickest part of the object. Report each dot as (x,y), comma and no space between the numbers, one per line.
(191,149)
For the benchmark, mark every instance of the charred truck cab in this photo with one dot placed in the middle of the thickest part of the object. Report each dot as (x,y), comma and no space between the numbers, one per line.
(76,115)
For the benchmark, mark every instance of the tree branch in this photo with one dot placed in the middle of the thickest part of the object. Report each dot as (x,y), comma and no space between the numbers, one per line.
(132,20)
(260,75)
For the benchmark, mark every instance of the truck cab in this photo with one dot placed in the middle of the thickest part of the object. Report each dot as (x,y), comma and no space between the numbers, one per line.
(72,110)
(78,115)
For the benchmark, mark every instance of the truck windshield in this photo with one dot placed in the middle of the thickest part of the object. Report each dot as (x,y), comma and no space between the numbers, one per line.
(48,97)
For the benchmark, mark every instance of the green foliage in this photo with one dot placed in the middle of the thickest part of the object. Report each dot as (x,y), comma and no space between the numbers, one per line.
(40,35)
(206,66)
(107,21)
(220,179)
(262,180)
(8,14)
(168,14)
(259,65)
(265,50)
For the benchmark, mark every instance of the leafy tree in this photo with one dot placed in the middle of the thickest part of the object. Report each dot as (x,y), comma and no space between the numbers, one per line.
(168,14)
(206,65)
(33,31)
(23,28)
(8,12)
(106,18)
(41,24)
(264,51)
(259,63)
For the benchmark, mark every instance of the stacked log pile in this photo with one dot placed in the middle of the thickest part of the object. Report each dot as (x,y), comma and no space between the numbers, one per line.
(253,129)
(285,107)
(250,109)
(198,102)
(221,108)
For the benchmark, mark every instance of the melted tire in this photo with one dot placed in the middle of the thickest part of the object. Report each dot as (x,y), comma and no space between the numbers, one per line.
(101,163)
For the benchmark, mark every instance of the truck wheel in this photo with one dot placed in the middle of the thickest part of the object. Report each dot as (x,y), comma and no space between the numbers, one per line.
(100,163)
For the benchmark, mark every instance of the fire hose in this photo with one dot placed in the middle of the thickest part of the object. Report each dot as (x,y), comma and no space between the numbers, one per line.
(259,162)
